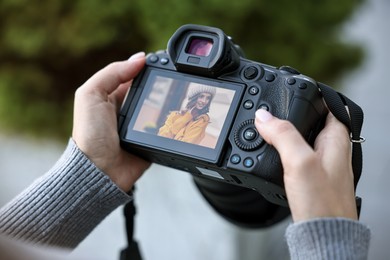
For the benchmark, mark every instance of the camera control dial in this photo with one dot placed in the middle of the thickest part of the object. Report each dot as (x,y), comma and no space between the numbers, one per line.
(251,72)
(289,69)
(246,136)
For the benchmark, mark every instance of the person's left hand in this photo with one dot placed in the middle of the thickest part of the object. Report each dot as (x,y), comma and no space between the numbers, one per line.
(95,132)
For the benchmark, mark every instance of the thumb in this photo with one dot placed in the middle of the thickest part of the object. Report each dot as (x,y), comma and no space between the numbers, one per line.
(282,135)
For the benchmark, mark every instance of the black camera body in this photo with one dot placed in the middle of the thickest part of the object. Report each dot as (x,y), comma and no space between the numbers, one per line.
(219,144)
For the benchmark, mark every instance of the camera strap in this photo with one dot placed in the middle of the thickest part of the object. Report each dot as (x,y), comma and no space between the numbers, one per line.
(351,115)
(132,251)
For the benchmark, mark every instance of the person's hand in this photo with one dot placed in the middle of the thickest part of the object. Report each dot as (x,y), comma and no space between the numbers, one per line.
(319,181)
(96,105)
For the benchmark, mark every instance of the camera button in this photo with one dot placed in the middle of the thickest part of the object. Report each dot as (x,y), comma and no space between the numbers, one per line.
(164,61)
(248,162)
(253,90)
(235,159)
(153,58)
(303,85)
(291,81)
(270,77)
(248,104)
(263,106)
(250,134)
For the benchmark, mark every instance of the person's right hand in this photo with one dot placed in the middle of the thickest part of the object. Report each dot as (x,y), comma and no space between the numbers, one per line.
(319,182)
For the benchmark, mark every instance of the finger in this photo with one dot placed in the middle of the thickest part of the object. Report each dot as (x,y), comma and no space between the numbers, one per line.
(109,78)
(333,144)
(282,135)
(334,134)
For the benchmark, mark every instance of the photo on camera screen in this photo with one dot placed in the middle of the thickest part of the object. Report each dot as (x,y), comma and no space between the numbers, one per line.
(176,111)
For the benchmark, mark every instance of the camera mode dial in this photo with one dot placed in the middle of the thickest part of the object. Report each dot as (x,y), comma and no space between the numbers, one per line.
(246,136)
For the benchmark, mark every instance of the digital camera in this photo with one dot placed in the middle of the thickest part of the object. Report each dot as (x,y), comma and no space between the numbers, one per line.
(192,108)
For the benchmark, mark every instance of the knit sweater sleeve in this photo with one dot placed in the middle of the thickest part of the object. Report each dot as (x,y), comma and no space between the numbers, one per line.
(63,206)
(328,238)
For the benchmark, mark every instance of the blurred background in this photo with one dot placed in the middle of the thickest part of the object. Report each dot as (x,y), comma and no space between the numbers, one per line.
(49,48)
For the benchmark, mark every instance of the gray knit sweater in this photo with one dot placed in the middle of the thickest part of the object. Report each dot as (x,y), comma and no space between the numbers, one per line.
(62,207)
(328,238)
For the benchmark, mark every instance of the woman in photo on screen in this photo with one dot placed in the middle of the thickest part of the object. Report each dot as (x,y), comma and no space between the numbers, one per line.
(189,125)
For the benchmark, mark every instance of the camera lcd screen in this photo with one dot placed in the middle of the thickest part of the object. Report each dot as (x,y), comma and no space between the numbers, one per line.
(183,114)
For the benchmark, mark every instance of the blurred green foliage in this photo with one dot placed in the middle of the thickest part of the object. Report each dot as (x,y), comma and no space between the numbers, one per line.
(50,47)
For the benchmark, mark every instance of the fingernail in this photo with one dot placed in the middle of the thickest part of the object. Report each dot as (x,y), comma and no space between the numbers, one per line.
(136,56)
(263,115)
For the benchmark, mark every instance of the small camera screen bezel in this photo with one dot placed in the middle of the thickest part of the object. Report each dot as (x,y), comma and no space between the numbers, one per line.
(164,144)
